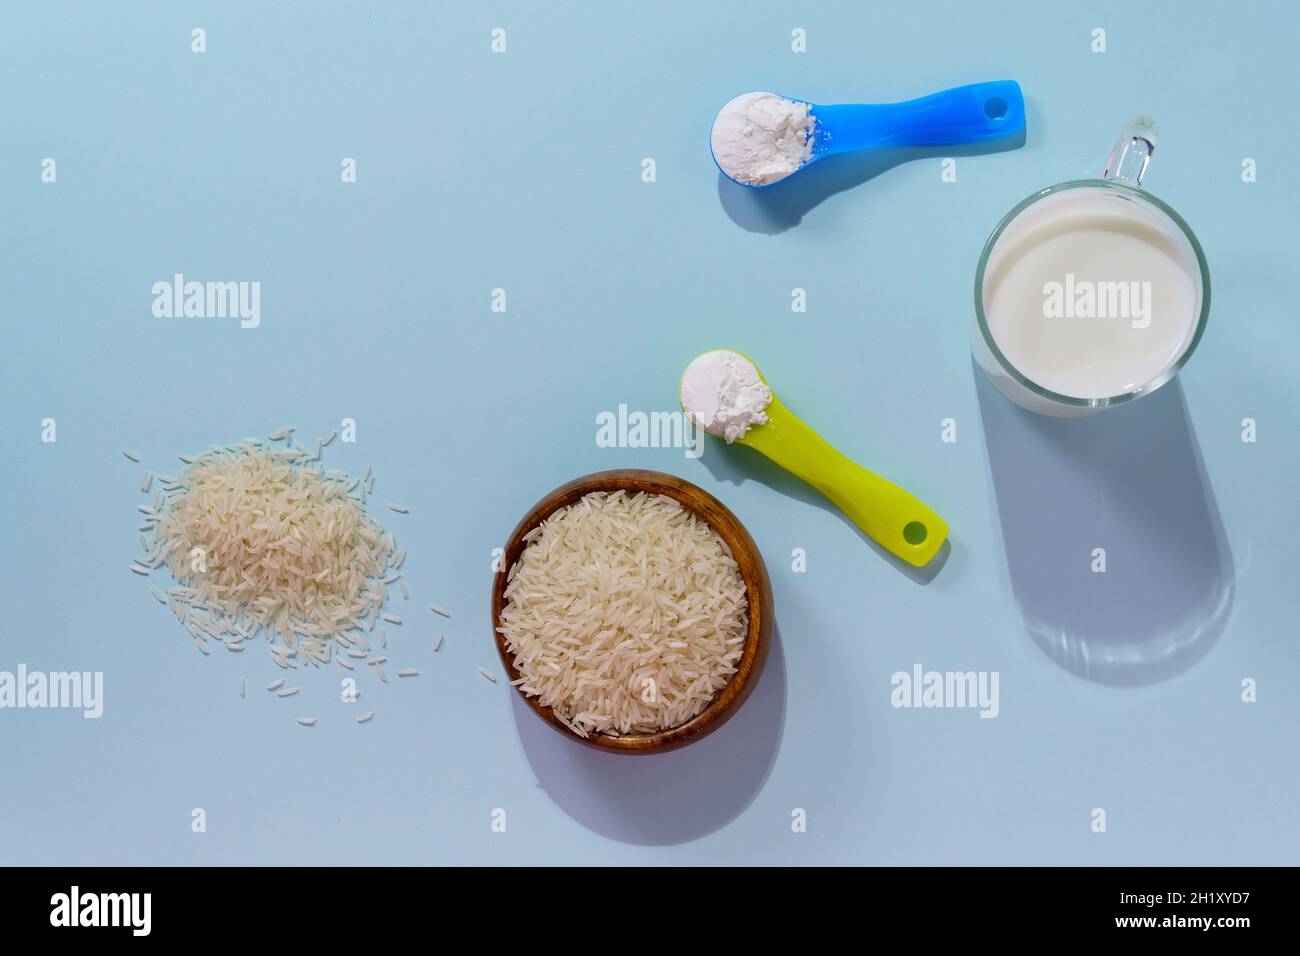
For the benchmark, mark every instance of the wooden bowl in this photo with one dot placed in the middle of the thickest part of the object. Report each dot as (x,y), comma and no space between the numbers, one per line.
(758,589)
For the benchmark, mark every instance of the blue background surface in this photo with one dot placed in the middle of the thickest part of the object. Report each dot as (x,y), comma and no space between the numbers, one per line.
(522,170)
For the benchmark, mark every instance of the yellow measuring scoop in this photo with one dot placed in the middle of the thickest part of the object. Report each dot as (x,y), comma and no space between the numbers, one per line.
(895,519)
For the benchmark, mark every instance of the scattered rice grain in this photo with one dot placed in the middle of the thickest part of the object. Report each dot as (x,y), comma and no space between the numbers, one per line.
(287,549)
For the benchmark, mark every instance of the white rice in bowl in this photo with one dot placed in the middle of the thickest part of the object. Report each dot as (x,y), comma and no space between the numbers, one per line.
(625,614)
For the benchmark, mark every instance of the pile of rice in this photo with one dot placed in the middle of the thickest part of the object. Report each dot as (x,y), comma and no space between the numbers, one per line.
(261,538)
(625,614)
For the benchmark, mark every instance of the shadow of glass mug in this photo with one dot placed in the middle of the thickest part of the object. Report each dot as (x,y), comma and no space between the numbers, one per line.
(1090,293)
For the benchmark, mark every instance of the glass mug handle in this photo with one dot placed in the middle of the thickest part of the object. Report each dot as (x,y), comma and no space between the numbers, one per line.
(1131,154)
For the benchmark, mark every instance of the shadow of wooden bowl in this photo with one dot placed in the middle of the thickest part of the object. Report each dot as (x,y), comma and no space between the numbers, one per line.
(758,590)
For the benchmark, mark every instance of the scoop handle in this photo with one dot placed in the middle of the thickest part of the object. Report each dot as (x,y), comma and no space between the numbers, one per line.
(965,114)
(895,519)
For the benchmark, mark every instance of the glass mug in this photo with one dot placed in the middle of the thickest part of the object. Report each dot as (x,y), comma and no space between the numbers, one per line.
(1090,293)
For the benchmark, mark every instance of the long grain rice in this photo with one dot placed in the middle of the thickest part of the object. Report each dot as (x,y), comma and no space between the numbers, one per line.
(286,550)
(624,614)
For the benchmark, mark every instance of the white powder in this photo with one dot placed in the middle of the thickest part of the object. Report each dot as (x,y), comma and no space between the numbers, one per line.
(759,138)
(723,394)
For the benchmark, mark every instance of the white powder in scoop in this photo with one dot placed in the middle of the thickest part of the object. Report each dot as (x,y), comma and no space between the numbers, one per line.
(759,138)
(723,394)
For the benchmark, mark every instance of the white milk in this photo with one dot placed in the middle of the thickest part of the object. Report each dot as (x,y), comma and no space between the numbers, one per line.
(1092,294)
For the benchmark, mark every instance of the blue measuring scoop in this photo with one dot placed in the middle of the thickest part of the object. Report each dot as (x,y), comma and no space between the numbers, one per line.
(964,114)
